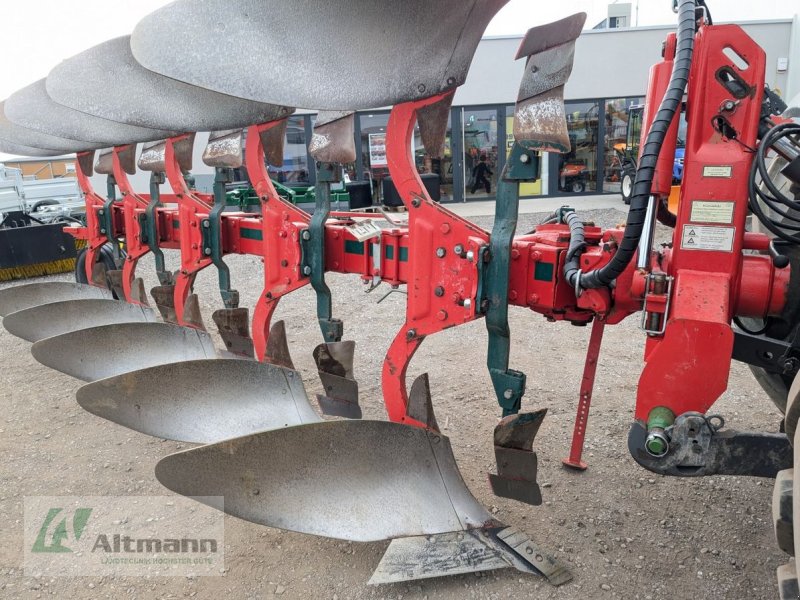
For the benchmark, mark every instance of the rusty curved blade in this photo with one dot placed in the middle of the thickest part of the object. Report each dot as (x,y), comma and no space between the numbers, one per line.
(334,362)
(20,297)
(233,325)
(404,50)
(137,292)
(164,298)
(201,401)
(191,312)
(31,107)
(277,352)
(352,480)
(540,121)
(108,350)
(22,150)
(46,320)
(90,82)
(30,137)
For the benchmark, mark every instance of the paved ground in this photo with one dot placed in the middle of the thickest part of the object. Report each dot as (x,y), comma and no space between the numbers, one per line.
(624,532)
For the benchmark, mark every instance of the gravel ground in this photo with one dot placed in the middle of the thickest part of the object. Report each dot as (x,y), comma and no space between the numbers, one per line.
(625,532)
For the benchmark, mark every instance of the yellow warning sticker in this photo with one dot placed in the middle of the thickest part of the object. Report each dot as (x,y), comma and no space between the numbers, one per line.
(704,237)
(712,212)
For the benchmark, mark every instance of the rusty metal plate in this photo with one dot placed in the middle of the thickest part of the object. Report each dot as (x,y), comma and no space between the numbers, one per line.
(108,350)
(540,116)
(351,480)
(46,320)
(106,81)
(333,138)
(201,401)
(396,51)
(225,149)
(29,295)
(31,107)
(35,139)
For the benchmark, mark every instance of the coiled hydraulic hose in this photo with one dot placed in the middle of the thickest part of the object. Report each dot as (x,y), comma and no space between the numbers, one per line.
(787,228)
(652,147)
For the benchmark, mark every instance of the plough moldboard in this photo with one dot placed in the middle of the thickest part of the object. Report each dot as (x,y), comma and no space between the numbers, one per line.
(245,406)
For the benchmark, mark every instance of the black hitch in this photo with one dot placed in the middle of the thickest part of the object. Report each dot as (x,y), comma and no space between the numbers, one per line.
(698,447)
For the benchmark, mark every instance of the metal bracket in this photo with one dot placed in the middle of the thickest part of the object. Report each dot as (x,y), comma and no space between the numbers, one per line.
(698,447)
(106,218)
(314,253)
(772,355)
(212,236)
(509,385)
(150,227)
(653,278)
(517,463)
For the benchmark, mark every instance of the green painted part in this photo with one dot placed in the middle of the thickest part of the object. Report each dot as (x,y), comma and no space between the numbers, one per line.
(656,446)
(353,247)
(176,224)
(660,418)
(251,234)
(543,271)
(403,253)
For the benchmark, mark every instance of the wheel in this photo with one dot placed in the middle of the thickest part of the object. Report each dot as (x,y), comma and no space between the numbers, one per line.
(577,186)
(627,186)
(105,256)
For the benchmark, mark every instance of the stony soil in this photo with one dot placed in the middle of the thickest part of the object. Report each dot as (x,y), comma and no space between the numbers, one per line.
(626,533)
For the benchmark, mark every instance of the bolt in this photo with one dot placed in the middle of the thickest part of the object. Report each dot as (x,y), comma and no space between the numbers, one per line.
(411,334)
(439,291)
(442,315)
(536,256)
(421,88)
(206,223)
(282,234)
(440,252)
(467,303)
(470,255)
(306,270)
(306,235)
(284,263)
(415,203)
(207,251)
(445,228)
(268,295)
(524,159)
(451,80)
(512,295)
(459,249)
(514,254)
(508,394)
(534,298)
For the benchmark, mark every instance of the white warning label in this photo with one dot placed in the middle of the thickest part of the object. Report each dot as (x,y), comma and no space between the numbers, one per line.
(724,171)
(712,212)
(703,237)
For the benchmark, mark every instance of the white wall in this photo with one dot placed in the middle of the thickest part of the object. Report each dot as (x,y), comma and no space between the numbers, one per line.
(608,63)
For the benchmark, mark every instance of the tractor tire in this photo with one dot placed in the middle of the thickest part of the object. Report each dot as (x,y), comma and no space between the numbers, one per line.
(106,257)
(577,186)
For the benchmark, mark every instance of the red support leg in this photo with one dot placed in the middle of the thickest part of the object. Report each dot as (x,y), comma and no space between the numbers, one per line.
(587,385)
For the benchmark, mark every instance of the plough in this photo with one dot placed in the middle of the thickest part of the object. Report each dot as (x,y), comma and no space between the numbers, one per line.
(245,406)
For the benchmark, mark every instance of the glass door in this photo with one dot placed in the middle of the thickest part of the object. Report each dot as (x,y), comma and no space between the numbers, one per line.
(576,171)
(480,134)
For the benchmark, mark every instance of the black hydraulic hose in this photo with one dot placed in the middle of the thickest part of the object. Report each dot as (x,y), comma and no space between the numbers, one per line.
(664,216)
(670,105)
(577,243)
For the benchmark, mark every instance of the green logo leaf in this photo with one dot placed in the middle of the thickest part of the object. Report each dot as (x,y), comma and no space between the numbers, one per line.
(59,530)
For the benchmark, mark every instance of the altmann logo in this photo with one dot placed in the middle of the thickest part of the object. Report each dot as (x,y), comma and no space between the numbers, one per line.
(60,532)
(150,536)
(125,543)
